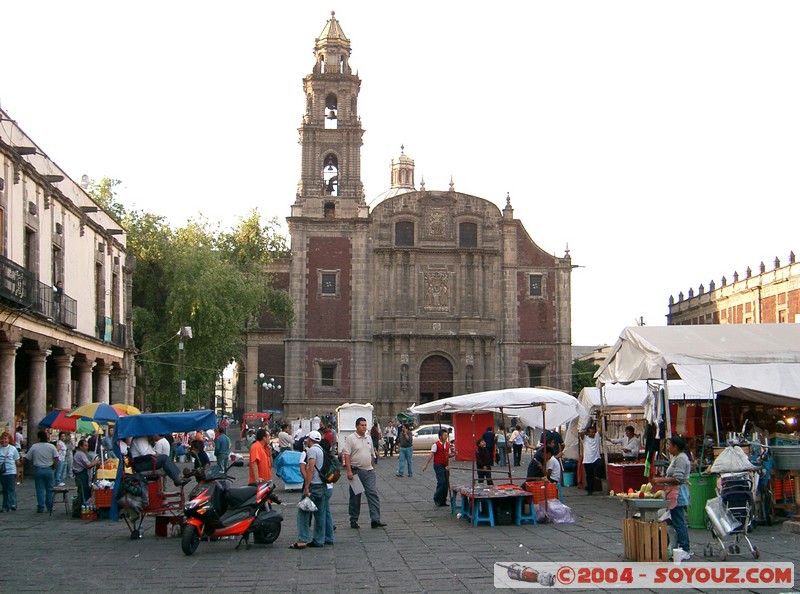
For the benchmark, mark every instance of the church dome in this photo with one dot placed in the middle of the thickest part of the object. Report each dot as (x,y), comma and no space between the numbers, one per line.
(402,178)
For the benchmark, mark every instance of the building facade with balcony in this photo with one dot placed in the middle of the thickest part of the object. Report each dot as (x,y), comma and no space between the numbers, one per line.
(766,297)
(65,290)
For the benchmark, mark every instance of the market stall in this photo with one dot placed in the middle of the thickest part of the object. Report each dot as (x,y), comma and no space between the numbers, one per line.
(757,363)
(534,407)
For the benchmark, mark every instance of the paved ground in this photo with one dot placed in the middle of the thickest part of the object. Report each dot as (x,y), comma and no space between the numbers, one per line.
(424,549)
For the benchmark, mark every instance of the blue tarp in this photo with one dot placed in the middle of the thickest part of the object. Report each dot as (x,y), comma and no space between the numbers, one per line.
(287,466)
(164,423)
(156,424)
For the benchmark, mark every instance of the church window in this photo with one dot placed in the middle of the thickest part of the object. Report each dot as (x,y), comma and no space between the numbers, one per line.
(327,374)
(329,210)
(536,375)
(404,233)
(535,285)
(331,112)
(328,281)
(330,176)
(468,235)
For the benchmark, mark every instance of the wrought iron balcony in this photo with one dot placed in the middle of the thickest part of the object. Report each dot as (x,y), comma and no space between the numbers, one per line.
(20,286)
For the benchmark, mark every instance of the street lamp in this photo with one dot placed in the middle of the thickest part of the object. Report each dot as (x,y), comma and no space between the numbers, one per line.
(183,332)
(272,386)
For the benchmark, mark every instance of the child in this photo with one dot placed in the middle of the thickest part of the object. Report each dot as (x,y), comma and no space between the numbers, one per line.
(483,461)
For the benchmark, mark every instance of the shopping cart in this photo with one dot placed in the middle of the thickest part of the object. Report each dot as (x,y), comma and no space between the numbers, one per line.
(732,514)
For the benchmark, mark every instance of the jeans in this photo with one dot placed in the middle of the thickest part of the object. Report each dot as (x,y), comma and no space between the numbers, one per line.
(82,482)
(501,454)
(405,456)
(367,478)
(43,479)
(147,463)
(485,473)
(589,469)
(62,466)
(9,482)
(319,496)
(440,495)
(517,454)
(678,515)
(222,460)
(329,536)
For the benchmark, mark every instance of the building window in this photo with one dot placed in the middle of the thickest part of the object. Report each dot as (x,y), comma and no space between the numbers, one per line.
(536,375)
(327,375)
(468,235)
(329,210)
(328,281)
(536,285)
(327,372)
(404,233)
(29,247)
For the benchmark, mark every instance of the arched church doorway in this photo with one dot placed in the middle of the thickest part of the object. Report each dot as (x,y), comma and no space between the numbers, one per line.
(435,379)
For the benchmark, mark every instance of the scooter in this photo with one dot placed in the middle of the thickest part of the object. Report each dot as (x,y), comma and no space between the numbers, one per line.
(217,509)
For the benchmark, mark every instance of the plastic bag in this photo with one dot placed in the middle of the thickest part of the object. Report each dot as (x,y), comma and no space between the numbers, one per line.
(557,512)
(307,505)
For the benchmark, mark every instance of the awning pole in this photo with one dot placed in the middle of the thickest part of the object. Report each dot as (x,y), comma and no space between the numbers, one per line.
(714,400)
(505,445)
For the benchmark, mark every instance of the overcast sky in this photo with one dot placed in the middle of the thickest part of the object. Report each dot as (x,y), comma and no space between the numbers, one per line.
(659,140)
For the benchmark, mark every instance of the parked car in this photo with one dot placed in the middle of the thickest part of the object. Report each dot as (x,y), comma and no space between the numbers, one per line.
(426,435)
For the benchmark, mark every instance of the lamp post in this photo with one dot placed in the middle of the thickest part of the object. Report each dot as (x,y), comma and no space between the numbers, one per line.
(183,332)
(272,387)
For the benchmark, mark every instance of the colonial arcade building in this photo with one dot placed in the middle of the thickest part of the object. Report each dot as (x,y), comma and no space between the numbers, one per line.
(425,295)
(64,290)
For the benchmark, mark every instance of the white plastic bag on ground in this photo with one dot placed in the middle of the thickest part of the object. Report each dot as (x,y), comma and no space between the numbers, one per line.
(307,505)
(557,512)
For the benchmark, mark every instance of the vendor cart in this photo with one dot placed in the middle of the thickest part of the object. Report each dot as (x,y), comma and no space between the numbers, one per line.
(141,495)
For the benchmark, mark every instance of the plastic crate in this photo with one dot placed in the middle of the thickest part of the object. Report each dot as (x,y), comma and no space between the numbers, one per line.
(102,497)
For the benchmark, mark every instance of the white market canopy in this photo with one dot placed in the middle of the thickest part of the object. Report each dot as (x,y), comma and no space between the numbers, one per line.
(756,362)
(525,403)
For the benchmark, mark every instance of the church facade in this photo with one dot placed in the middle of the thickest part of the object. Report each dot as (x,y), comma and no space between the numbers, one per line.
(425,295)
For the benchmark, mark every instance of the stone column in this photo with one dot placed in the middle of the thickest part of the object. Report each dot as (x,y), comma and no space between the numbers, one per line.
(85,381)
(37,391)
(63,397)
(8,354)
(119,386)
(103,383)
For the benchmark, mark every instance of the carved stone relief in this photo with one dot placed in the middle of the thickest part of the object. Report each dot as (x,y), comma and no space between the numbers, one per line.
(437,290)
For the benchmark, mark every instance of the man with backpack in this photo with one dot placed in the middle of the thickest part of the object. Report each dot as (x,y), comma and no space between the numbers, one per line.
(315,489)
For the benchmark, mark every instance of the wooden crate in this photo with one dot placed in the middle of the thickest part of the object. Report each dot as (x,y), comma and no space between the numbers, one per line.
(644,541)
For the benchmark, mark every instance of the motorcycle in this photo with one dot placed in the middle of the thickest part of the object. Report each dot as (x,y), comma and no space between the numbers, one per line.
(216,509)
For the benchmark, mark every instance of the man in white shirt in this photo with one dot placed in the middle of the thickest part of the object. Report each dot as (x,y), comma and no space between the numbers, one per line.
(161,446)
(630,444)
(591,456)
(553,465)
(359,457)
(144,459)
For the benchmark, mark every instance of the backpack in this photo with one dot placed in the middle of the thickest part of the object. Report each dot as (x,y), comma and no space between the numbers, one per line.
(331,471)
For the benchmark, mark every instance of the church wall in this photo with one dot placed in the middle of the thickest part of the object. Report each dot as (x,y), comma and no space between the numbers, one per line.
(339,392)
(328,316)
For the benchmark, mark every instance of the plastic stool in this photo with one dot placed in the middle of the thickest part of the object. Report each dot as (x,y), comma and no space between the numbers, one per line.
(453,498)
(477,517)
(525,518)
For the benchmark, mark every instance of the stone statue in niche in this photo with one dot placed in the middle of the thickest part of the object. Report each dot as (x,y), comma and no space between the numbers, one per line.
(436,221)
(404,378)
(469,379)
(437,292)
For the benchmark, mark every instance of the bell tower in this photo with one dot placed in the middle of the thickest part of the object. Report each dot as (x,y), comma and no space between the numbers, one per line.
(328,348)
(330,133)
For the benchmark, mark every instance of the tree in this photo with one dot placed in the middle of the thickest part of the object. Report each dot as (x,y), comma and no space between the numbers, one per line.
(198,276)
(583,375)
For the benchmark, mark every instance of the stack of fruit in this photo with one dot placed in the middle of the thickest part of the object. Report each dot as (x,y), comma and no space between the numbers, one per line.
(644,492)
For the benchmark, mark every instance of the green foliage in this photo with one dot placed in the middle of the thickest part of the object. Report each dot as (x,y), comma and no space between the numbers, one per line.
(583,375)
(198,276)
